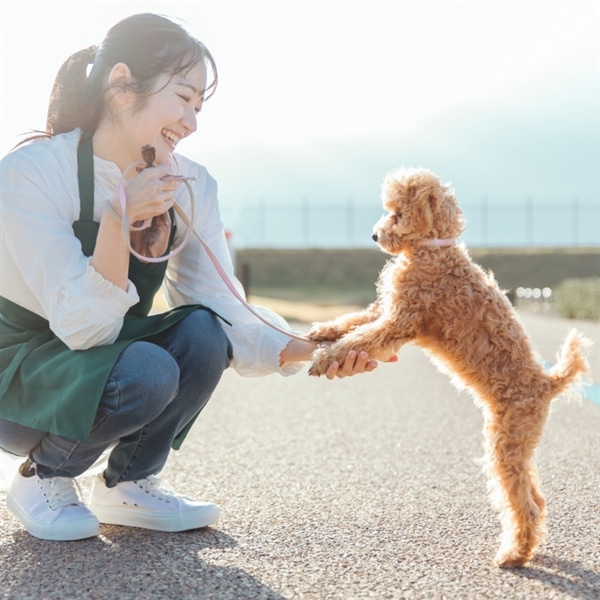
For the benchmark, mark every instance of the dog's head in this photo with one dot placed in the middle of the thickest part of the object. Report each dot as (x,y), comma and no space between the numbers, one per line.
(419,208)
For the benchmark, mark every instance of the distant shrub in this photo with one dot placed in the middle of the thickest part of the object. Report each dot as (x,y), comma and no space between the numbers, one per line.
(578,298)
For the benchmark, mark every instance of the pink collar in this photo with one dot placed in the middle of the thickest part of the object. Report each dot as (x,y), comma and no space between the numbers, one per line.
(438,243)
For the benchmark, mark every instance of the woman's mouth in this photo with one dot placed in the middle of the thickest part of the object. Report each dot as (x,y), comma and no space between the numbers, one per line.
(171,137)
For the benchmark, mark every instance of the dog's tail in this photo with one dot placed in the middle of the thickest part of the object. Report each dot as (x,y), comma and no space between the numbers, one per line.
(572,362)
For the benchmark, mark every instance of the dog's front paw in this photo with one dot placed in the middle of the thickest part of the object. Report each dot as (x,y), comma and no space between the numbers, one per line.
(322,360)
(316,370)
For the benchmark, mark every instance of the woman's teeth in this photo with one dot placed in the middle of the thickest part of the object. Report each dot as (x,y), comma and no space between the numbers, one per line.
(170,136)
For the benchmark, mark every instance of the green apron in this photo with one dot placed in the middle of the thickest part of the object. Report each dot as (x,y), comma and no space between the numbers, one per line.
(45,385)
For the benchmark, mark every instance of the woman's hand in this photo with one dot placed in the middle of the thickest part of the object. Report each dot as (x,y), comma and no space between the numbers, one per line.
(148,194)
(354,363)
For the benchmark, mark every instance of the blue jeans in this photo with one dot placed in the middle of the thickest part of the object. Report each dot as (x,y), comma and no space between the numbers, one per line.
(155,389)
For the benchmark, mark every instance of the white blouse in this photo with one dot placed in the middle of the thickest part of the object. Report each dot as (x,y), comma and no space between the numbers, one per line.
(43,269)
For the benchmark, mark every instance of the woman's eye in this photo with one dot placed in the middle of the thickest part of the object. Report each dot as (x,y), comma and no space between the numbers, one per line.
(184,98)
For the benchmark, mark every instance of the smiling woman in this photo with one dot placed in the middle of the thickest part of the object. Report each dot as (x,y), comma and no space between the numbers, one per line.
(85,367)
(123,75)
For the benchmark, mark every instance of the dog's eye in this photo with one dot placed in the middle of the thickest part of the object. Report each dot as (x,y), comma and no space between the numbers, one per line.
(397,217)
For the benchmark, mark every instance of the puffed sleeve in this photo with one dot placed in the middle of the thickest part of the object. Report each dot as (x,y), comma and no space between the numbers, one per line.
(43,267)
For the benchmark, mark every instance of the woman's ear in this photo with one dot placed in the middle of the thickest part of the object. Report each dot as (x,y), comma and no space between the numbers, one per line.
(119,81)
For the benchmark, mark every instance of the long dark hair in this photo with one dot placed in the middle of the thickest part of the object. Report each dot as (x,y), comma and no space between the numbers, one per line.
(150,45)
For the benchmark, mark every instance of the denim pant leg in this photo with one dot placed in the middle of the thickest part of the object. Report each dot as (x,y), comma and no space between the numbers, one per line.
(202,352)
(142,383)
(156,387)
(17,439)
(133,388)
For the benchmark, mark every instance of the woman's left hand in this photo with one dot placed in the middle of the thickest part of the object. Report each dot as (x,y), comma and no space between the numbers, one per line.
(355,363)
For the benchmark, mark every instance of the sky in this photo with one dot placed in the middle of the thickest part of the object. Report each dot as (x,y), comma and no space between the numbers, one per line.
(326,97)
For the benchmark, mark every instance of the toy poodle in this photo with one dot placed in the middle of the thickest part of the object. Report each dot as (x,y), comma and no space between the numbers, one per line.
(432,294)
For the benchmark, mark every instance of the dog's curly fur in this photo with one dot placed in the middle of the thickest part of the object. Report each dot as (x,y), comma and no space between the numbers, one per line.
(436,297)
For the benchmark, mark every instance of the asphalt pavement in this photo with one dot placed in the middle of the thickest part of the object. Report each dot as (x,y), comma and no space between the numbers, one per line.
(367,487)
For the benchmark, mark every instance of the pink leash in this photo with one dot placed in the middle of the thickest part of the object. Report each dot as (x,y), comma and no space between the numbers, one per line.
(190,230)
(226,278)
(126,227)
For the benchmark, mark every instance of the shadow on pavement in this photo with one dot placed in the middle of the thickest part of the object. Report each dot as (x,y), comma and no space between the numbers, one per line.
(566,576)
(126,563)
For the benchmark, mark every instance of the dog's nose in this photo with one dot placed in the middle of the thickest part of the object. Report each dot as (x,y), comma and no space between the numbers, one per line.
(374,237)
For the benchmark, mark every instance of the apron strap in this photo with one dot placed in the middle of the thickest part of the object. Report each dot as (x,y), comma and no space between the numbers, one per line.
(85,177)
(86,229)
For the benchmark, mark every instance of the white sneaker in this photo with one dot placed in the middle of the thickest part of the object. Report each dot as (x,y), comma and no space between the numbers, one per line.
(50,509)
(147,503)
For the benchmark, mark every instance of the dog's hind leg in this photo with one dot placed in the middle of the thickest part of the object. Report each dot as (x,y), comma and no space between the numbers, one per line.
(512,436)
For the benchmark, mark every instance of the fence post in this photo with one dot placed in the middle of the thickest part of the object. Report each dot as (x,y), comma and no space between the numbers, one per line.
(484,221)
(529,220)
(575,220)
(262,222)
(350,221)
(305,204)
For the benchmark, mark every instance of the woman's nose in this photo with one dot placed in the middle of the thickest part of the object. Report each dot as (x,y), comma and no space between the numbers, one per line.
(190,121)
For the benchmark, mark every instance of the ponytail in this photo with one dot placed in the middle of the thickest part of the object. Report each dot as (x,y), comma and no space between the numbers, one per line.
(72,103)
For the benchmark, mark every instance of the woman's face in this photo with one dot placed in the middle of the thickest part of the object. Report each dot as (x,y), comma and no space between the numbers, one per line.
(167,116)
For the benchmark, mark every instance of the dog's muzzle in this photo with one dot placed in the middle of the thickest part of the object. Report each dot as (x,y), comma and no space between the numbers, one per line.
(374,237)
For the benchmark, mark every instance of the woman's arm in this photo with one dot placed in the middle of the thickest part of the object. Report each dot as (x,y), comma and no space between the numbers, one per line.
(43,267)
(111,254)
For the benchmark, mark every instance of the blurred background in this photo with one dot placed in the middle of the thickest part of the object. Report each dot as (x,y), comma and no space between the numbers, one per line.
(317,101)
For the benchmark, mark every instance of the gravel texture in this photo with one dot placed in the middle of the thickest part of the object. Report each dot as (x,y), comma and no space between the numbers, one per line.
(367,487)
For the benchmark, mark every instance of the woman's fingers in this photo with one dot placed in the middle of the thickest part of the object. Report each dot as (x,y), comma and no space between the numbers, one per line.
(354,363)
(149,195)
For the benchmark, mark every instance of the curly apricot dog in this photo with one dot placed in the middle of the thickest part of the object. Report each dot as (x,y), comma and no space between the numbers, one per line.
(432,294)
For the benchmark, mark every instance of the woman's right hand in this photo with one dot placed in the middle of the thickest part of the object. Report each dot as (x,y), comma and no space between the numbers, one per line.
(147,194)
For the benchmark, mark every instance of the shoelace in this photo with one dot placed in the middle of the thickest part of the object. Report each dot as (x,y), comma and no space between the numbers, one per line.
(156,487)
(60,491)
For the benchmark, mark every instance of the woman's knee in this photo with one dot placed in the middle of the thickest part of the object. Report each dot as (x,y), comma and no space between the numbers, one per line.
(218,340)
(146,378)
(201,339)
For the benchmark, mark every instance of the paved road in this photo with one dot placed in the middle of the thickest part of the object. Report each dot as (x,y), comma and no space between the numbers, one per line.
(361,488)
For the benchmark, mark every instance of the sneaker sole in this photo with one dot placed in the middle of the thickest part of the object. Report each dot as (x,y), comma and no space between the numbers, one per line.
(67,532)
(202,517)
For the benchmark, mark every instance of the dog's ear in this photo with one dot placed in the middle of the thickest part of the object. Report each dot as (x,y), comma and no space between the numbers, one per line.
(423,194)
(451,222)
(436,211)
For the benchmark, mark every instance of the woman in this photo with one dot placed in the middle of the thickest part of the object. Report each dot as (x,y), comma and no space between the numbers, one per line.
(84,368)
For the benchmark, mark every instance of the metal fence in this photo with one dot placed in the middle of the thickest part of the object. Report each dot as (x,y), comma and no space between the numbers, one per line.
(265,224)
